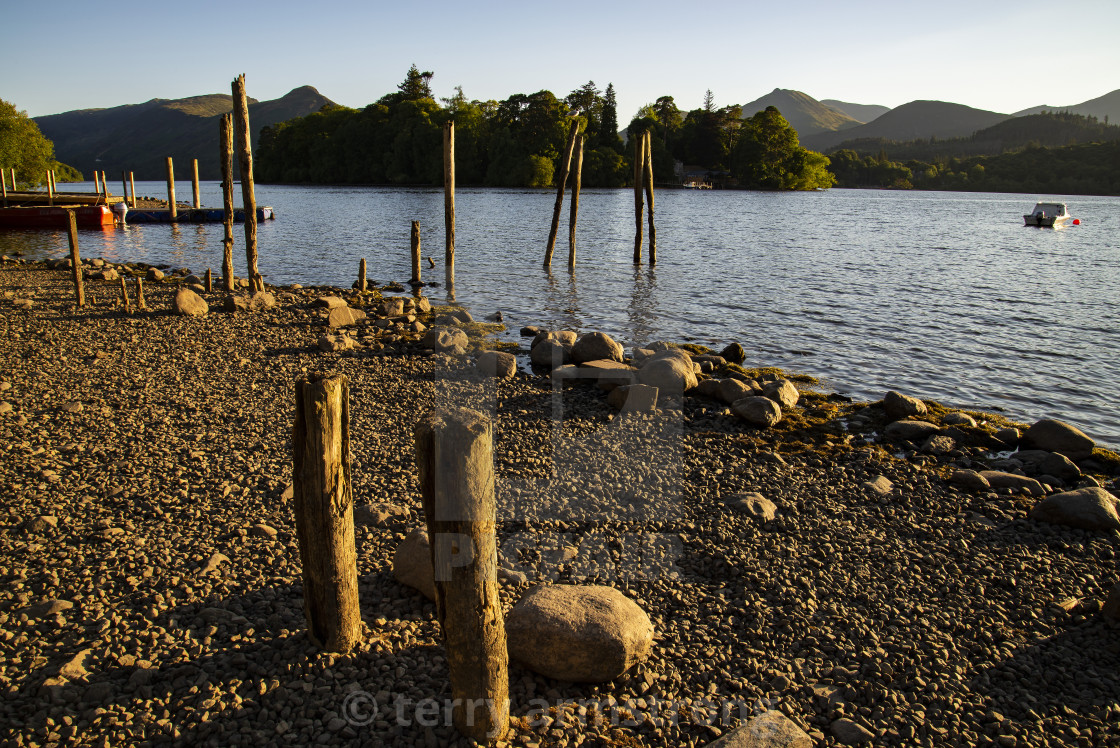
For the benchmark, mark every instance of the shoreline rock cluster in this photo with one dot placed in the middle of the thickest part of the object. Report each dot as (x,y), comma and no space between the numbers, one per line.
(888,573)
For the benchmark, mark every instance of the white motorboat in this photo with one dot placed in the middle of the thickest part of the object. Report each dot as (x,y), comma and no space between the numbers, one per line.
(1047,215)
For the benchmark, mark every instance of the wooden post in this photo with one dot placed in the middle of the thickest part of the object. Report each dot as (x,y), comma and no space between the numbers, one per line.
(13,170)
(639,177)
(124,186)
(171,191)
(414,241)
(194,172)
(105,183)
(648,180)
(209,281)
(577,175)
(132,184)
(561,180)
(454,454)
(124,297)
(227,201)
(50,188)
(248,195)
(97,182)
(449,197)
(141,302)
(363,286)
(76,259)
(4,183)
(324,509)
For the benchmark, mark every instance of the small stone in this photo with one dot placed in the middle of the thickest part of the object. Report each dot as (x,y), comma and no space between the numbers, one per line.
(880,485)
(1058,436)
(498,364)
(782,392)
(345,316)
(770,729)
(154,274)
(75,668)
(633,398)
(734,353)
(47,608)
(378,514)
(73,407)
(412,563)
(899,406)
(261,530)
(969,480)
(212,563)
(329,302)
(758,411)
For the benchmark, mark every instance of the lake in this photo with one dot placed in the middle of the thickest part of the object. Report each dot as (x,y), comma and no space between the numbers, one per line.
(942,295)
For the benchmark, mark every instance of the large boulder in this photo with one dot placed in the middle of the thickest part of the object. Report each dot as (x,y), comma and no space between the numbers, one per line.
(596,346)
(734,353)
(1000,479)
(731,390)
(567,338)
(1038,462)
(758,411)
(910,431)
(578,634)
(262,301)
(633,398)
(754,504)
(445,340)
(550,353)
(190,304)
(671,372)
(343,316)
(899,406)
(1057,436)
(782,392)
(412,563)
(1086,508)
(608,374)
(497,364)
(153,274)
(234,304)
(770,729)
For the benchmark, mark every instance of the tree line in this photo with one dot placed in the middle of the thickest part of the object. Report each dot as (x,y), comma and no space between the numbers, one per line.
(518,142)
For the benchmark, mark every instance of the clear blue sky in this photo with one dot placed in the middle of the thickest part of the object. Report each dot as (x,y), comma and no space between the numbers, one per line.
(990,54)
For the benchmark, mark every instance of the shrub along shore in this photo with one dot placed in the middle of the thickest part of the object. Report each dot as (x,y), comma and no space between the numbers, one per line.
(893,572)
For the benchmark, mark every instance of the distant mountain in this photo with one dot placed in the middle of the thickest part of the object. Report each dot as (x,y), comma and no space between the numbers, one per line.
(861,113)
(140,137)
(803,112)
(918,119)
(1100,107)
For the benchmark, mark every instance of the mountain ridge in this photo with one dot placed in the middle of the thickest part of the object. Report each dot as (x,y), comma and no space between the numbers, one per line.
(140,137)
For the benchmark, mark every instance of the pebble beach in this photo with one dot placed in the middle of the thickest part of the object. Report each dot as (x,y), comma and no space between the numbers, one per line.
(151,581)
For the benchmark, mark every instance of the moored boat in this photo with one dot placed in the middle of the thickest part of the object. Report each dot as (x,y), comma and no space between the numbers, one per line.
(54,216)
(1047,215)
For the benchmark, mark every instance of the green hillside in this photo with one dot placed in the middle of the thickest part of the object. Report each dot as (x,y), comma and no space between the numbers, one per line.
(803,112)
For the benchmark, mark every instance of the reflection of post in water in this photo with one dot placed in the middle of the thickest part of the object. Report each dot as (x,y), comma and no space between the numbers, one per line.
(642,309)
(178,243)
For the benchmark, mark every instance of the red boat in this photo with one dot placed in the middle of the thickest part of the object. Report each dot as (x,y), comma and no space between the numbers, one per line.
(54,217)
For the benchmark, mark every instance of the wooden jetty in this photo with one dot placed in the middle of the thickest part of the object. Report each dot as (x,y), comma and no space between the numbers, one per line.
(193,215)
(92,210)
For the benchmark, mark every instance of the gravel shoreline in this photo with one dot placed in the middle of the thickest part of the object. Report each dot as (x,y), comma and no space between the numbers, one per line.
(151,586)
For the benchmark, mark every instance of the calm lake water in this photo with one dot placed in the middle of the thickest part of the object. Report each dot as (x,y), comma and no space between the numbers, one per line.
(941,295)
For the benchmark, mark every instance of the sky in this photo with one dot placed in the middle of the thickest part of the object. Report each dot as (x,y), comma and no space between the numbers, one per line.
(989,54)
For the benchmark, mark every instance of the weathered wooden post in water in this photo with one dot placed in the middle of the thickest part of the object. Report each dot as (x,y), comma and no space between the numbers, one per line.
(363,284)
(639,177)
(647,172)
(132,184)
(454,454)
(97,182)
(324,508)
(194,174)
(124,185)
(414,241)
(141,302)
(227,201)
(75,258)
(124,297)
(561,180)
(449,200)
(171,191)
(50,188)
(248,195)
(577,175)
(4,186)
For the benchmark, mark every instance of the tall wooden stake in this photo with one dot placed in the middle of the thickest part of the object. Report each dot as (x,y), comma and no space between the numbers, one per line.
(647,172)
(124,297)
(227,201)
(50,188)
(363,284)
(414,241)
(171,191)
(561,180)
(639,177)
(97,182)
(13,170)
(4,183)
(141,302)
(248,194)
(132,184)
(76,259)
(124,186)
(194,183)
(209,281)
(324,509)
(449,196)
(454,453)
(573,216)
